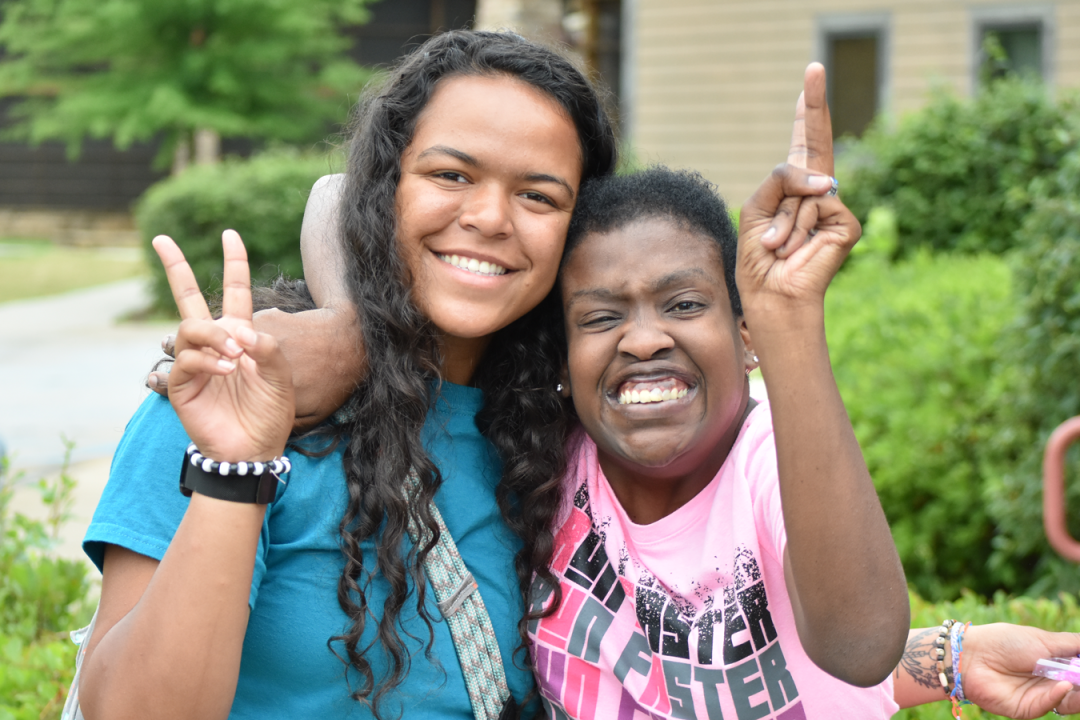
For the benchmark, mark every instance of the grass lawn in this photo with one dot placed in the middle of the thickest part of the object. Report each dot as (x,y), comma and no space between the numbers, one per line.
(35,268)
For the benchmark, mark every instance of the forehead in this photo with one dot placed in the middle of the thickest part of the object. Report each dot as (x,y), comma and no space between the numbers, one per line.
(469,105)
(638,254)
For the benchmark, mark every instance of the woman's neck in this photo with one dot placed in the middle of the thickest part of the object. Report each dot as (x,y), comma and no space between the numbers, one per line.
(461,356)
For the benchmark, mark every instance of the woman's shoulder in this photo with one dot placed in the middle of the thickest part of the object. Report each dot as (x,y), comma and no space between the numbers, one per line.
(141,505)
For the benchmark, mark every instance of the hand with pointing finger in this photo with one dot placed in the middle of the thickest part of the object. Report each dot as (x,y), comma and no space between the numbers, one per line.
(794,233)
(230,385)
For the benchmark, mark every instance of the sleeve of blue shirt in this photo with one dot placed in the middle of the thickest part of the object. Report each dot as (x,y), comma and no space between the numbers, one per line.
(142,506)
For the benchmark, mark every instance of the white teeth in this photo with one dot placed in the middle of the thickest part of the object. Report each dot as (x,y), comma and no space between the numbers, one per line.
(641,397)
(473,265)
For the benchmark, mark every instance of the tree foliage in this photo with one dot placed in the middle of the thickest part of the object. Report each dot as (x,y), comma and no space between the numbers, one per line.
(1040,372)
(131,69)
(914,346)
(262,198)
(958,173)
(42,598)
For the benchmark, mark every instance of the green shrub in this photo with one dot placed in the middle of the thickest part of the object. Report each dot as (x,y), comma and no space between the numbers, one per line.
(262,198)
(42,598)
(958,173)
(1041,377)
(1061,615)
(913,345)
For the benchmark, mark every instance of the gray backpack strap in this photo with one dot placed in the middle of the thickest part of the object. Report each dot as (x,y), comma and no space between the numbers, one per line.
(81,637)
(461,605)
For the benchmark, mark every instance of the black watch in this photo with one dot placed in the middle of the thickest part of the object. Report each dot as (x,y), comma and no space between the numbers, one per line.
(260,488)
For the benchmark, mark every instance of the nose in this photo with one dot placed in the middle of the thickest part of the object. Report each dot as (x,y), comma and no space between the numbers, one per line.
(644,338)
(487,211)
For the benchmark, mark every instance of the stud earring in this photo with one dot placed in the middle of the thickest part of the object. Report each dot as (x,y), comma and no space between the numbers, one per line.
(558,388)
(755,359)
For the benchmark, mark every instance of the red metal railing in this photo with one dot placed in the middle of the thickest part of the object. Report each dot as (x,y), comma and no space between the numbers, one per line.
(1057,532)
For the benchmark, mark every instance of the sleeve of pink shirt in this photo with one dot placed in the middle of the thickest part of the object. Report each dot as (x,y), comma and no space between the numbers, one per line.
(759,457)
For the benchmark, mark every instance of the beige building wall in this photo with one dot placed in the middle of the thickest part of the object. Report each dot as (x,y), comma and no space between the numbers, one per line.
(712,84)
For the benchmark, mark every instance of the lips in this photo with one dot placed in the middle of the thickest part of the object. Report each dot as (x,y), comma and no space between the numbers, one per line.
(653,390)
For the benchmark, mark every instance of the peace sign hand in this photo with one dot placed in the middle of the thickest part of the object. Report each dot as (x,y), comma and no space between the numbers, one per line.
(230,386)
(793,236)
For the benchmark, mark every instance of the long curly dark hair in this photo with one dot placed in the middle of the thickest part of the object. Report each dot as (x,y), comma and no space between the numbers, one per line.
(522,416)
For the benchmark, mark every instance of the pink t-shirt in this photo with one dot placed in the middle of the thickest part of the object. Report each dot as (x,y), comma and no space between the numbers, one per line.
(688,617)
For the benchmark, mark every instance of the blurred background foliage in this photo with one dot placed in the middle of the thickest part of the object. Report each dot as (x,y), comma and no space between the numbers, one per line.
(915,346)
(42,598)
(133,70)
(955,331)
(959,173)
(262,198)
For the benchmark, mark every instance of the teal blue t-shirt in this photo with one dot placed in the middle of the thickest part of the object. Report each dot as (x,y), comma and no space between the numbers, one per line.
(287,670)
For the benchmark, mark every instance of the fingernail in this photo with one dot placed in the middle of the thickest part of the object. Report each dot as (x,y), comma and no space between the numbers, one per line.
(232,347)
(153,380)
(246,335)
(769,235)
(820,182)
(166,343)
(225,364)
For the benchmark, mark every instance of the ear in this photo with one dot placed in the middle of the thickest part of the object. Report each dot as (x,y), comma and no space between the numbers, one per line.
(564,381)
(750,360)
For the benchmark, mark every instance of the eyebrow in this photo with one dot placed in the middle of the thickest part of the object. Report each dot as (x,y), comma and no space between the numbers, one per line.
(473,162)
(660,285)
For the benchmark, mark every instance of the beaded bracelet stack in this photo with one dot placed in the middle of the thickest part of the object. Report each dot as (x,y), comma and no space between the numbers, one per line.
(939,654)
(952,632)
(956,640)
(277,466)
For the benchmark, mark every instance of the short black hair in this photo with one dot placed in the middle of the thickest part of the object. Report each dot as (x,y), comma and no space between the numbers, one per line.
(609,203)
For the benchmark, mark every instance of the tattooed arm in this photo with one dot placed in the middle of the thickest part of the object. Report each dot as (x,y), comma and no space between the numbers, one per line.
(915,680)
(995,670)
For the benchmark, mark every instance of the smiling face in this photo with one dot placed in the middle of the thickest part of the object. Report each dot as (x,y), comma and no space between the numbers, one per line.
(656,361)
(487,187)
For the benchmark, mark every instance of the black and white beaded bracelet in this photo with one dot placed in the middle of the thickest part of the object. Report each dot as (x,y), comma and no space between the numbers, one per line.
(245,482)
(943,667)
(278,466)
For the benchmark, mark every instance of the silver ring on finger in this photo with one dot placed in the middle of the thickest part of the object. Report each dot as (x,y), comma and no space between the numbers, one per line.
(835,187)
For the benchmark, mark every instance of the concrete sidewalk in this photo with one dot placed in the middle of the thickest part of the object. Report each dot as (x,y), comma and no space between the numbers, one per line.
(69,369)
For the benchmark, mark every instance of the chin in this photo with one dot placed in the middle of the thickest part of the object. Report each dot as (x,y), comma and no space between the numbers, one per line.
(652,458)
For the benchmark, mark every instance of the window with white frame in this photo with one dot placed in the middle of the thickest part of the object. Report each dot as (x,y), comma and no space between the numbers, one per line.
(855,51)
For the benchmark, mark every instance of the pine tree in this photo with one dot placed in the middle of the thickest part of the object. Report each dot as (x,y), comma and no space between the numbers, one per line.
(184,70)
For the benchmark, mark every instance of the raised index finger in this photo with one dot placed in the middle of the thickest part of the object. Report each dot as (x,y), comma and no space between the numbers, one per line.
(236,283)
(185,289)
(817,123)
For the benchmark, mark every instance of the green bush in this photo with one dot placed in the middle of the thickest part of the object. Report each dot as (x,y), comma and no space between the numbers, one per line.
(1041,378)
(42,598)
(1061,615)
(914,345)
(262,198)
(958,173)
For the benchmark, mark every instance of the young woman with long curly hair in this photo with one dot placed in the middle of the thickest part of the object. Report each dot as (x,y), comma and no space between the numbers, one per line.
(463,172)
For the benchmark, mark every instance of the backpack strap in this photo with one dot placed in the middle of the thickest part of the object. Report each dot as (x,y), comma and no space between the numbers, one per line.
(460,603)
